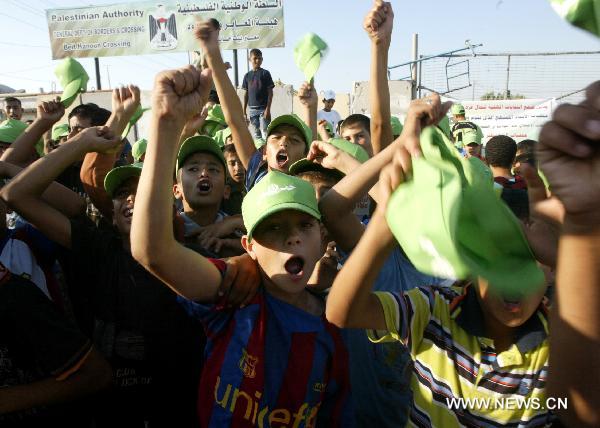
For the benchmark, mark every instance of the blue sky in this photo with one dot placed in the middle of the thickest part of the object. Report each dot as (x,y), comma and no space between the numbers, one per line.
(502,26)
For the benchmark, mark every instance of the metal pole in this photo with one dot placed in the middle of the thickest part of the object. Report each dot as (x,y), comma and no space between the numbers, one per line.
(108,75)
(507,92)
(235,68)
(98,82)
(413,72)
(420,65)
(247,61)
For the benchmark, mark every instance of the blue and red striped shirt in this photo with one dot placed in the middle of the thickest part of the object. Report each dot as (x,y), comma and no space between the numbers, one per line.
(271,364)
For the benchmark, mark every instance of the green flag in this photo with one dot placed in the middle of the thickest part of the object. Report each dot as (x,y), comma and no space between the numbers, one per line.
(308,53)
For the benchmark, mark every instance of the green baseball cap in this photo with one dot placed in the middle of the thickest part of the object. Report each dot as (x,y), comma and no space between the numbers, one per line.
(138,149)
(584,14)
(458,226)
(73,78)
(274,193)
(11,129)
(60,130)
(354,150)
(199,143)
(470,136)
(295,121)
(118,175)
(457,109)
(396,125)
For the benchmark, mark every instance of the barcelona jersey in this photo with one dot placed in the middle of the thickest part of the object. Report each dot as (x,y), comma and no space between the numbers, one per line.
(271,364)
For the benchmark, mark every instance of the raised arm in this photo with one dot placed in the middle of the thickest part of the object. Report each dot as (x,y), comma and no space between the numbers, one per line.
(307,94)
(125,101)
(24,192)
(22,151)
(351,302)
(58,196)
(176,95)
(378,24)
(208,36)
(569,155)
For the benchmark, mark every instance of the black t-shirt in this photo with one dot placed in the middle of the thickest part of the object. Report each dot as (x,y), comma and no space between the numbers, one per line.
(36,342)
(257,83)
(155,348)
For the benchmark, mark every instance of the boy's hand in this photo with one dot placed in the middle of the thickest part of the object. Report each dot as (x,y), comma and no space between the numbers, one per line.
(421,113)
(379,22)
(125,100)
(326,269)
(179,94)
(308,95)
(394,174)
(329,156)
(241,281)
(569,154)
(97,139)
(50,112)
(323,133)
(208,36)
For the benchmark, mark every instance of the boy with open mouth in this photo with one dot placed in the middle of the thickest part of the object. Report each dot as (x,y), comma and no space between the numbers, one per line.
(278,352)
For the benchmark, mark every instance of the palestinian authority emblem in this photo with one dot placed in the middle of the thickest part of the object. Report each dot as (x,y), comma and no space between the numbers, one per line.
(163,29)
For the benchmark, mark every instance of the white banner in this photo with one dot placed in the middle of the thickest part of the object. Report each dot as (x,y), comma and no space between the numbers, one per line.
(519,119)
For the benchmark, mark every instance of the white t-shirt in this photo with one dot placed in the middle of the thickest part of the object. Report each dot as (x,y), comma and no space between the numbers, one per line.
(333,117)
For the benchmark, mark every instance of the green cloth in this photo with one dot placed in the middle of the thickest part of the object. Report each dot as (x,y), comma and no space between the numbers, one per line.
(199,143)
(274,193)
(11,129)
(396,126)
(136,116)
(117,176)
(451,224)
(259,143)
(138,149)
(73,78)
(308,53)
(215,121)
(584,14)
(60,130)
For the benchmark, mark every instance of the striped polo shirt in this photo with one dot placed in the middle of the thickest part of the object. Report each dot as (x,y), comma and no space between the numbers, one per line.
(444,330)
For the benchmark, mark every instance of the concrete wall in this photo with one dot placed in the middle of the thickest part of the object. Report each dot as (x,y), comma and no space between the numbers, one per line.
(284,102)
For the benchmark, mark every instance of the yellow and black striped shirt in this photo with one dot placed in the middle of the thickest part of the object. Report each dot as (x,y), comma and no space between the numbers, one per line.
(444,331)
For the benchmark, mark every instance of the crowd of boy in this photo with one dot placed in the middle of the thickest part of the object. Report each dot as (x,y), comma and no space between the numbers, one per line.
(228,281)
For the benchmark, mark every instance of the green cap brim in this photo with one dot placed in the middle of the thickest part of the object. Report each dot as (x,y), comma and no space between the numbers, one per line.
(282,207)
(70,92)
(118,175)
(296,122)
(305,165)
(199,143)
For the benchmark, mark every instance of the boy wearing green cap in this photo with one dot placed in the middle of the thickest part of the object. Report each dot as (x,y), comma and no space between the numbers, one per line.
(136,322)
(277,352)
(462,126)
(288,137)
(201,176)
(469,343)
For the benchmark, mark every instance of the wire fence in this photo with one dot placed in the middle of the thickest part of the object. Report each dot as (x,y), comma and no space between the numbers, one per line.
(560,75)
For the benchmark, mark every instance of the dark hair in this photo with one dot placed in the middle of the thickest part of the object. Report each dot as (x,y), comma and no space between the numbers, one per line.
(500,151)
(215,23)
(12,100)
(356,119)
(320,175)
(98,116)
(527,146)
(256,52)
(229,148)
(213,96)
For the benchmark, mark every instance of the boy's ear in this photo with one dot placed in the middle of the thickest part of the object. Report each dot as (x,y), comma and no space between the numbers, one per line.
(177,191)
(248,247)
